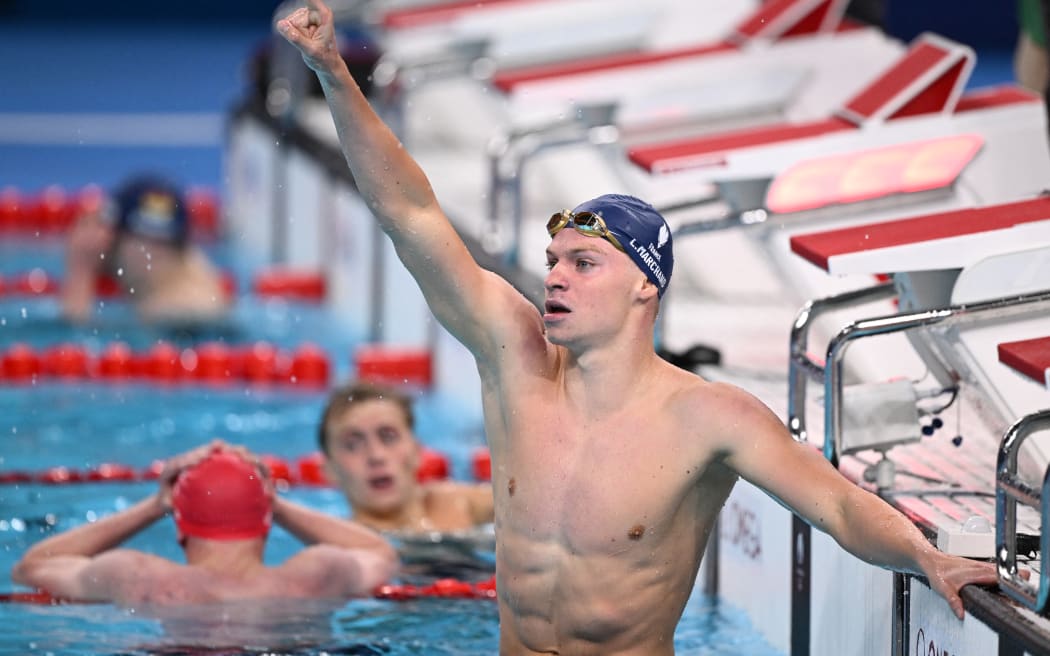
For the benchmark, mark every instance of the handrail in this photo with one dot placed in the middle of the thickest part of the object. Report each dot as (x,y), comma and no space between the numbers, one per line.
(508,153)
(947,316)
(1009,491)
(393,80)
(800,366)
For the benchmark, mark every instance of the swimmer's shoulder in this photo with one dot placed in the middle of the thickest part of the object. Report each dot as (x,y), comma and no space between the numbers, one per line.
(692,398)
(443,494)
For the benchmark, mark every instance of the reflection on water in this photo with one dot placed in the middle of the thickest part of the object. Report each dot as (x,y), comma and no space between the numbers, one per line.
(270,624)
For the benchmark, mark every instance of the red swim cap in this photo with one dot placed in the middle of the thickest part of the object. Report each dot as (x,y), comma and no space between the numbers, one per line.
(221,498)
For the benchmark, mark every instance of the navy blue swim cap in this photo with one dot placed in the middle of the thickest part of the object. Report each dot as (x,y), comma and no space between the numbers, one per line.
(151,207)
(642,231)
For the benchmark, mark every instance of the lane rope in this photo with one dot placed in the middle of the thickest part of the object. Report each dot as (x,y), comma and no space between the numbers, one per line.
(307,470)
(446,588)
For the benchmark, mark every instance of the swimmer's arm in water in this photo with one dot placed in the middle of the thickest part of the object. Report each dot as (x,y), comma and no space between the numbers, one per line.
(476,306)
(315,527)
(350,558)
(760,449)
(82,563)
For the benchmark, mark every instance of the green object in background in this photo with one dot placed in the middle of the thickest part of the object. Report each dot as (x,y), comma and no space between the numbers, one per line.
(1030,15)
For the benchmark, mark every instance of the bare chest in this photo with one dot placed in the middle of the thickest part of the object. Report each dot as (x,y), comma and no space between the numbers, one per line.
(596,485)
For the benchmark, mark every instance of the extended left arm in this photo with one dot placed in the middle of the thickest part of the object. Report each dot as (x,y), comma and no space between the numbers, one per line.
(861,522)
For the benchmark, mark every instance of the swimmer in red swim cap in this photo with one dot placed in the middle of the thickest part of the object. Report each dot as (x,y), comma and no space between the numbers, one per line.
(223,497)
(223,505)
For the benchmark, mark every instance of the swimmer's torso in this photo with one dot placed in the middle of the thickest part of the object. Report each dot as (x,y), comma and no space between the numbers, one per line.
(601,521)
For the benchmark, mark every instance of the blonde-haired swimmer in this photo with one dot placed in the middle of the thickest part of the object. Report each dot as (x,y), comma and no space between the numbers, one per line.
(223,505)
(366,434)
(609,465)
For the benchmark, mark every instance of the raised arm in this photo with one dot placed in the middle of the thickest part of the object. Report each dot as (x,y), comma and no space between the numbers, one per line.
(761,451)
(472,303)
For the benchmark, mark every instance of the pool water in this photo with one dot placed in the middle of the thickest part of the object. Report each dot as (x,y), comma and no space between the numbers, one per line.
(83,424)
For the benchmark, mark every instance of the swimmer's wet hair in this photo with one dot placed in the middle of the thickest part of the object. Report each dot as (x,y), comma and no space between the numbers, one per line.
(345,397)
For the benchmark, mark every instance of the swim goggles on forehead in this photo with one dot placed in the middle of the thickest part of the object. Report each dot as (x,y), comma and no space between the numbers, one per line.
(588,224)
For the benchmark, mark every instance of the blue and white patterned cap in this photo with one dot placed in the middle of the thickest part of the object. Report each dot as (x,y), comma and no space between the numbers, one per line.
(641,230)
(151,207)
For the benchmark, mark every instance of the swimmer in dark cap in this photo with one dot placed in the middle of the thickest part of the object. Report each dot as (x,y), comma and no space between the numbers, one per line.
(140,236)
(223,505)
(609,464)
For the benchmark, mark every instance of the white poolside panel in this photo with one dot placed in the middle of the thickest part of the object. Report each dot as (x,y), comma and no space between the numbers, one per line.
(350,259)
(250,166)
(934,629)
(851,602)
(404,320)
(754,564)
(456,375)
(306,213)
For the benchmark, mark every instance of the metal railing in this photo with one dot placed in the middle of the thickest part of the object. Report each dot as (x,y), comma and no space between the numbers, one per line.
(1011,490)
(954,315)
(801,367)
(510,151)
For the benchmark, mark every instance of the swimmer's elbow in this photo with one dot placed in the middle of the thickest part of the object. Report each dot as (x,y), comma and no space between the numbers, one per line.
(34,573)
(376,568)
(22,573)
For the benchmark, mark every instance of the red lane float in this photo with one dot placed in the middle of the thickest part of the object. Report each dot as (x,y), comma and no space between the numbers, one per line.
(203,209)
(37,597)
(68,361)
(440,589)
(306,366)
(20,364)
(311,470)
(306,470)
(394,366)
(53,209)
(433,466)
(282,282)
(481,464)
(300,286)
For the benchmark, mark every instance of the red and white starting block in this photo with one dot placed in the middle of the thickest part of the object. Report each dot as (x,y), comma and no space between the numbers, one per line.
(970,294)
(787,60)
(523,32)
